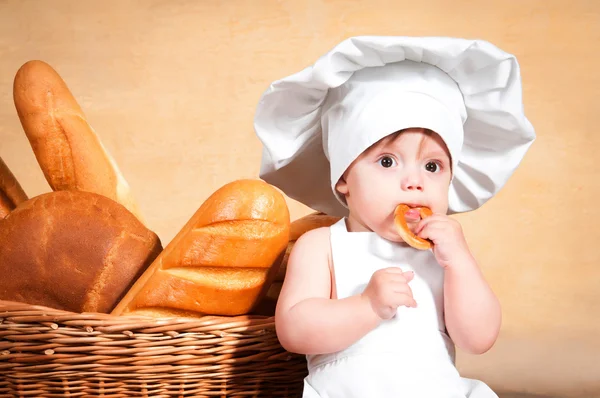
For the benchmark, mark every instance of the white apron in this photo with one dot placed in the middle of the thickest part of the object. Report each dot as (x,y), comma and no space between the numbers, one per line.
(410,355)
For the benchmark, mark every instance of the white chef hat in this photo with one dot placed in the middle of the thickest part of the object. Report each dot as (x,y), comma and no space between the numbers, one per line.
(315,123)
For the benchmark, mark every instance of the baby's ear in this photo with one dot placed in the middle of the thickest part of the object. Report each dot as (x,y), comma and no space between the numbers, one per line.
(341,186)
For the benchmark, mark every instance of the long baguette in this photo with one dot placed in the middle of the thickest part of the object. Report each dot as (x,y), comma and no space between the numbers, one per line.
(66,147)
(11,192)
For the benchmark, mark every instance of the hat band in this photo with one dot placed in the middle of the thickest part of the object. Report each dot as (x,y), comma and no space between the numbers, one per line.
(352,132)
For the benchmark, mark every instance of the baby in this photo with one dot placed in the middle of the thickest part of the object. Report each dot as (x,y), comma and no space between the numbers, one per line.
(378,122)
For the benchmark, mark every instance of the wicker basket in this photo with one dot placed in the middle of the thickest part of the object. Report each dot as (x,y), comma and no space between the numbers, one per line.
(50,353)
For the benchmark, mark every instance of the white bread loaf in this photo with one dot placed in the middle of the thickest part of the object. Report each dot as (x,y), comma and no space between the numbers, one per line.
(222,262)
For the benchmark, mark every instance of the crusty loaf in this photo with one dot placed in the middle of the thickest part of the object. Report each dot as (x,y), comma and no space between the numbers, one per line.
(72,250)
(311,221)
(11,192)
(297,229)
(222,261)
(66,147)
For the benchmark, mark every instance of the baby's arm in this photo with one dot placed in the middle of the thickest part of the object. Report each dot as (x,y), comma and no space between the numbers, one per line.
(307,320)
(473,314)
(472,311)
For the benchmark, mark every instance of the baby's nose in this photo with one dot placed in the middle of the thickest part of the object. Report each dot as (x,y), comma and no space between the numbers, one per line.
(412,183)
(414,187)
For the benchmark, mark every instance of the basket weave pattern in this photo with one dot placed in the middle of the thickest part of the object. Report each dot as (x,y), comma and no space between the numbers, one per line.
(51,353)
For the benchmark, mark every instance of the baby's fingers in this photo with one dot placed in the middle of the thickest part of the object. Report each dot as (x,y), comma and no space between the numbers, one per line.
(401,278)
(405,299)
(392,270)
(401,287)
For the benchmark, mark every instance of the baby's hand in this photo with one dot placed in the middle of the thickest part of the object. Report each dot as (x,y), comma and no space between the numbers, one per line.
(449,243)
(387,290)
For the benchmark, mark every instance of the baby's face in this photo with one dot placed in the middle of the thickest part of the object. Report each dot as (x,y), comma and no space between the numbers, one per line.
(412,167)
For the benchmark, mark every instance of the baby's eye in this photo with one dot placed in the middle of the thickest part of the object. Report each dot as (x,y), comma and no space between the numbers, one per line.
(432,167)
(387,161)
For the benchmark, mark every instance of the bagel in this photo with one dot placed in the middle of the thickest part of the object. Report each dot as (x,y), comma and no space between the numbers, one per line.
(402,226)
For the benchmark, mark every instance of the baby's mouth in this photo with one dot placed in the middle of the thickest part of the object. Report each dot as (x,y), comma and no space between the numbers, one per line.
(412,216)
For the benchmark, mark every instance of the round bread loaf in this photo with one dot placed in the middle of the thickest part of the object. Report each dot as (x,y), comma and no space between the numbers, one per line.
(72,250)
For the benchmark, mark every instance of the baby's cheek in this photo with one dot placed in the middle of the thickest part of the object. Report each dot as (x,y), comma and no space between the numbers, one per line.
(440,202)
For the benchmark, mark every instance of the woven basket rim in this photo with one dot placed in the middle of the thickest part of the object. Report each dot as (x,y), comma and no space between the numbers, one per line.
(97,318)
(11,305)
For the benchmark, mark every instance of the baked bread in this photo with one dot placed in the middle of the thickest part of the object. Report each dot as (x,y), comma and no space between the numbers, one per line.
(222,261)
(297,228)
(11,193)
(72,250)
(66,147)
(402,226)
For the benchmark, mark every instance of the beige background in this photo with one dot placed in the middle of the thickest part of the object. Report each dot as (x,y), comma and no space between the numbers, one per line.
(171,86)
